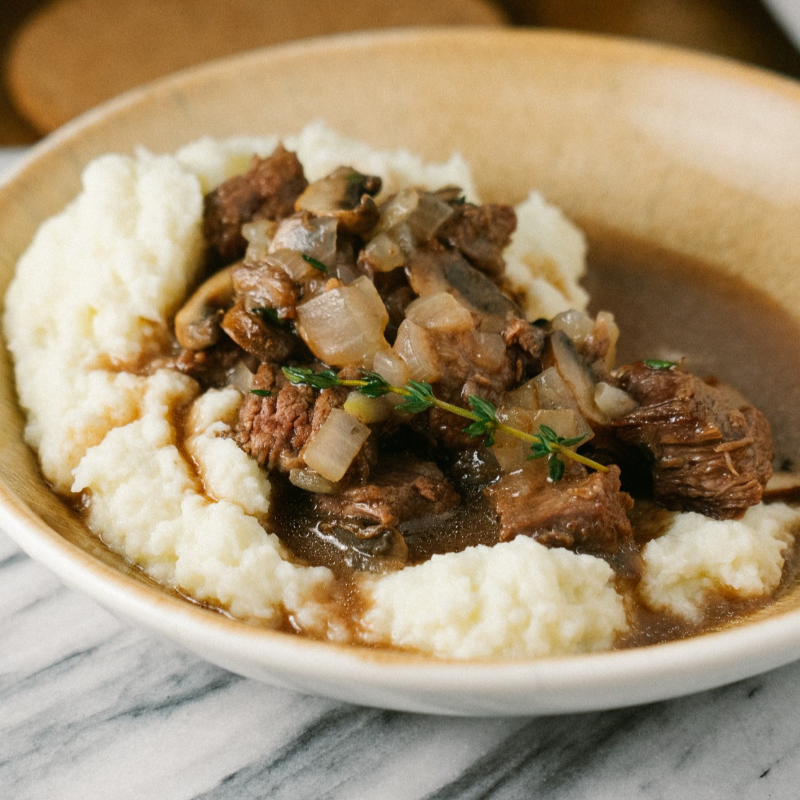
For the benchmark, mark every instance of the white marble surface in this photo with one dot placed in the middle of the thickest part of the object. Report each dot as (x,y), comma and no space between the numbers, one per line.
(91,709)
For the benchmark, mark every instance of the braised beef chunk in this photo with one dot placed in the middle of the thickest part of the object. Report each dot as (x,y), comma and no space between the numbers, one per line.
(481,233)
(583,511)
(268,190)
(274,429)
(400,489)
(710,450)
(254,336)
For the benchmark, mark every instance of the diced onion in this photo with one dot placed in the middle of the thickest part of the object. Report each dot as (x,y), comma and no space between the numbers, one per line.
(310,481)
(510,451)
(525,396)
(398,209)
(607,318)
(334,446)
(563,421)
(312,236)
(292,262)
(440,311)
(575,324)
(367,409)
(552,390)
(490,350)
(414,346)
(428,216)
(345,325)
(241,377)
(390,366)
(259,231)
(384,253)
(613,402)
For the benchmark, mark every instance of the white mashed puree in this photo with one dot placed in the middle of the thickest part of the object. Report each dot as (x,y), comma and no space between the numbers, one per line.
(96,290)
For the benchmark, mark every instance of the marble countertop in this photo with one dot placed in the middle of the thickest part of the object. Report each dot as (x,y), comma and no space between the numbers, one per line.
(92,709)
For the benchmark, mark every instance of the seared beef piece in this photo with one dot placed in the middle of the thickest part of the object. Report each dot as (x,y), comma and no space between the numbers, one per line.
(525,343)
(266,286)
(211,367)
(268,190)
(583,511)
(275,429)
(253,335)
(481,233)
(401,489)
(435,270)
(710,450)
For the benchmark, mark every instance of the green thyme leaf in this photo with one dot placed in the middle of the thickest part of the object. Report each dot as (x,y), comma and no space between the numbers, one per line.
(547,434)
(315,263)
(573,441)
(317,380)
(460,201)
(487,422)
(555,468)
(655,363)
(420,398)
(261,392)
(376,385)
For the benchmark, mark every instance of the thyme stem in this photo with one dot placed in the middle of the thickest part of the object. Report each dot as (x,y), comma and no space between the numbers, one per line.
(483,416)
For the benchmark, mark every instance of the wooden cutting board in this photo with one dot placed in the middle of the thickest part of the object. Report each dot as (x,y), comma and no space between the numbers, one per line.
(73,54)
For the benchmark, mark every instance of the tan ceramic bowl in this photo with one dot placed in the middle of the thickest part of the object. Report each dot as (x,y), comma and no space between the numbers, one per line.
(693,154)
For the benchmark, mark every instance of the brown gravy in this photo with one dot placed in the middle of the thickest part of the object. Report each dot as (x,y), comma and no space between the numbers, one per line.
(671,307)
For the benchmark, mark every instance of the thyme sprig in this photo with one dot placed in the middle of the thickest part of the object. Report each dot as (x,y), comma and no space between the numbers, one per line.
(482,414)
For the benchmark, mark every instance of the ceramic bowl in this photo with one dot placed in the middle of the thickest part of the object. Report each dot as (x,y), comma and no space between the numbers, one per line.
(693,154)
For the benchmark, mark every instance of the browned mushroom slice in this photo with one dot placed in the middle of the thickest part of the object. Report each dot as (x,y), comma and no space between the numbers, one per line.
(371,548)
(437,271)
(345,194)
(197,324)
(254,336)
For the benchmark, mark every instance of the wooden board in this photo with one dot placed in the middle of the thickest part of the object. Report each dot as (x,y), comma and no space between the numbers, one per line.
(74,54)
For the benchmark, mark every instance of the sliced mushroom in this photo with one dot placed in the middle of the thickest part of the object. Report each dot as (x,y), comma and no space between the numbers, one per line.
(367,548)
(560,352)
(430,272)
(197,324)
(346,195)
(266,342)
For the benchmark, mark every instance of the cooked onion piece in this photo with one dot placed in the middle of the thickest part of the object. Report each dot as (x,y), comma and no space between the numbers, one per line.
(428,216)
(613,402)
(575,324)
(334,446)
(367,409)
(384,254)
(312,236)
(345,325)
(440,311)
(292,262)
(414,346)
(311,481)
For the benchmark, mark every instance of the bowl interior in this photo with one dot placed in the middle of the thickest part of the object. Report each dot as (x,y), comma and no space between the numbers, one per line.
(695,155)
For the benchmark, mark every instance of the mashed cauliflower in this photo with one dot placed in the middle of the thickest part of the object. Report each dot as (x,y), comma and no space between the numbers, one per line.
(95,293)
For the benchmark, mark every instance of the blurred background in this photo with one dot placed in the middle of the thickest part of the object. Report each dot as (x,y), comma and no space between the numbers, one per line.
(60,58)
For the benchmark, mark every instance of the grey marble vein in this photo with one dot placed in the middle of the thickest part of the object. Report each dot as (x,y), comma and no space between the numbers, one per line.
(91,709)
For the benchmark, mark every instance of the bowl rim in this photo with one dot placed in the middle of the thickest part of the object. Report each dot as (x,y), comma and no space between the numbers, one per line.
(650,672)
